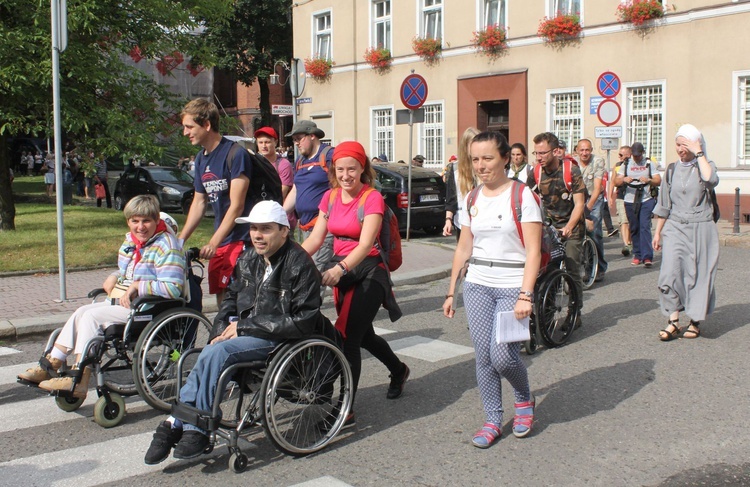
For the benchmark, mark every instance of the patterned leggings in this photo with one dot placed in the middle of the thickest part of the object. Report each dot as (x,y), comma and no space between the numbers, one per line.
(494,360)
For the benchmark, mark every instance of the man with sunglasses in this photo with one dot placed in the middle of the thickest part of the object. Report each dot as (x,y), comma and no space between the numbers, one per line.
(310,182)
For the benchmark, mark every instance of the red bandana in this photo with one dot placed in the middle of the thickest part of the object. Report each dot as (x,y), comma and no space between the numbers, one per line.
(161,227)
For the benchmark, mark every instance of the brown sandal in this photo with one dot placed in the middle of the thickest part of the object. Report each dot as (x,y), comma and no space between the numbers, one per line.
(665,335)
(695,332)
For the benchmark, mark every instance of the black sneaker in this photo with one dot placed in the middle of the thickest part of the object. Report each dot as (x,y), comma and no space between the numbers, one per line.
(613,232)
(165,438)
(192,444)
(397,384)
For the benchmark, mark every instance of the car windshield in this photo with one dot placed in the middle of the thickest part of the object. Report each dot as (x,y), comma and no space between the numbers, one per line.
(171,175)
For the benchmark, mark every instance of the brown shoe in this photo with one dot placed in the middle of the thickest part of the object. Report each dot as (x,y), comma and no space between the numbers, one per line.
(38,373)
(66,383)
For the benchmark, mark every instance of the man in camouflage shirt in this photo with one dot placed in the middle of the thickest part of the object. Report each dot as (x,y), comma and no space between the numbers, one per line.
(562,206)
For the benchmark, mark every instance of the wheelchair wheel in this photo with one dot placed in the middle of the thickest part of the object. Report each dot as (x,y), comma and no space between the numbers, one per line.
(158,349)
(557,308)
(238,462)
(589,263)
(306,396)
(69,404)
(109,414)
(531,344)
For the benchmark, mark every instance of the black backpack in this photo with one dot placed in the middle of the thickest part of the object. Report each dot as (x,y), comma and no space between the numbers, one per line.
(265,183)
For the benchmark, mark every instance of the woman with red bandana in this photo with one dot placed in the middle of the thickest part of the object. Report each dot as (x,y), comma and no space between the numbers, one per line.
(150,261)
(360,280)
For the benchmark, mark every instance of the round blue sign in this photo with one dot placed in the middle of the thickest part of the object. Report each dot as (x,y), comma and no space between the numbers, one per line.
(413,91)
(608,84)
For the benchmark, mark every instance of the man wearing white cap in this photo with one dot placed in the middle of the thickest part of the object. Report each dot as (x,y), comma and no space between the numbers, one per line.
(274,296)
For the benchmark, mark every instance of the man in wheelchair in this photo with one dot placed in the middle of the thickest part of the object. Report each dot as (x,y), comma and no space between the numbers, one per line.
(150,262)
(274,296)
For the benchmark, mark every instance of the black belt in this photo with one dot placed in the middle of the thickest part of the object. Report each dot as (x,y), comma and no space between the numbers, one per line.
(494,263)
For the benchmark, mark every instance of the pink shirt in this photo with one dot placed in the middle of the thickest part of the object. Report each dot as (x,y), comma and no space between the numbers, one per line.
(343,221)
(284,168)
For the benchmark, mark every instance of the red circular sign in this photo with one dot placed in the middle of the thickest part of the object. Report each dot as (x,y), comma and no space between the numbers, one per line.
(413,91)
(609,112)
(608,84)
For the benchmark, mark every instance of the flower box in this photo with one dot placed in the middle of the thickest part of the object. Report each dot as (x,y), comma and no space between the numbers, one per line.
(637,12)
(318,68)
(427,48)
(560,28)
(379,58)
(490,41)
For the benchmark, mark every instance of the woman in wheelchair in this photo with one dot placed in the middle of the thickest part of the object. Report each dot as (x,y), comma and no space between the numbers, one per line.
(150,261)
(274,296)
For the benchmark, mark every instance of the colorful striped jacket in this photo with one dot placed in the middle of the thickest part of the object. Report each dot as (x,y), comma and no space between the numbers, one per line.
(161,270)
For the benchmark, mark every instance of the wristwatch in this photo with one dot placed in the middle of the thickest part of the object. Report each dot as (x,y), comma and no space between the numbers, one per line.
(342,267)
(700,154)
(528,294)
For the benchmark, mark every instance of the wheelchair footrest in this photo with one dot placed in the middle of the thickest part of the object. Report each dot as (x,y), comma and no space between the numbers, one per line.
(197,417)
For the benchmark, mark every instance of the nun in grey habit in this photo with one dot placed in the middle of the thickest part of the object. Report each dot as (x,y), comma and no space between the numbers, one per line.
(686,230)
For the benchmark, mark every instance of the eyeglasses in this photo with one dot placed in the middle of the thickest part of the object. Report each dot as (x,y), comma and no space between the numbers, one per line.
(298,138)
(621,155)
(542,153)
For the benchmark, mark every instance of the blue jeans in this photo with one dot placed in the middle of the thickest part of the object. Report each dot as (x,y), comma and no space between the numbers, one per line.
(200,387)
(598,237)
(640,229)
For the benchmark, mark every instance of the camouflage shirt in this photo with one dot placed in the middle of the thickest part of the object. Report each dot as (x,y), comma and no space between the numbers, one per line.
(557,200)
(594,170)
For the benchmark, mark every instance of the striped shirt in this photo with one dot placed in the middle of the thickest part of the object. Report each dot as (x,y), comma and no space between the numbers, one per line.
(161,270)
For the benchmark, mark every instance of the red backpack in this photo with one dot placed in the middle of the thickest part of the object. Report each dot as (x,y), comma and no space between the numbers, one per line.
(388,241)
(567,165)
(551,246)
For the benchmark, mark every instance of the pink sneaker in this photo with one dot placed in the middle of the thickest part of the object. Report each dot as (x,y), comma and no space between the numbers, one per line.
(635,261)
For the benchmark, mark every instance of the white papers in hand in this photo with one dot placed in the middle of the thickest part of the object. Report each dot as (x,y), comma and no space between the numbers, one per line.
(510,330)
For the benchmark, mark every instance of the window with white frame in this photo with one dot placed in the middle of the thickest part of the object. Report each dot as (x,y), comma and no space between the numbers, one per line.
(565,7)
(382,128)
(741,115)
(432,19)
(433,141)
(322,30)
(493,13)
(645,119)
(381,24)
(566,116)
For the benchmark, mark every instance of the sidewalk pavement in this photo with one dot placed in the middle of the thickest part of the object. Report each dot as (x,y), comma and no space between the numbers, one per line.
(30,305)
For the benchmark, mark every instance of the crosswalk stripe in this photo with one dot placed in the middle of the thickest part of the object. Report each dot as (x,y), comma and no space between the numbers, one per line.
(428,349)
(326,481)
(85,465)
(8,351)
(44,411)
(9,373)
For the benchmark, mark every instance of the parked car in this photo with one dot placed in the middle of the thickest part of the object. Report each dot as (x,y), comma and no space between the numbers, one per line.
(173,186)
(427,195)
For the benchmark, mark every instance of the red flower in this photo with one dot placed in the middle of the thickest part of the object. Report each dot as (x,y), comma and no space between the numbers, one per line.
(318,68)
(427,48)
(378,57)
(491,41)
(560,28)
(639,11)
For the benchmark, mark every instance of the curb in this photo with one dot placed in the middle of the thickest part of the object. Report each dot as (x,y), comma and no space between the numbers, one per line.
(15,329)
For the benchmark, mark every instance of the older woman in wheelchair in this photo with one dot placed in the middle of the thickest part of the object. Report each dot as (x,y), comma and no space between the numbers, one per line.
(150,262)
(274,299)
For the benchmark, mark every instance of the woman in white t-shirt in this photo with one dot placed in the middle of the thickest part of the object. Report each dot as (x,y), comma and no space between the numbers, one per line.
(499,283)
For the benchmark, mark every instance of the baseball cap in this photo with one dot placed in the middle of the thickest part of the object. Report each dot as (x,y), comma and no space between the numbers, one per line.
(383,158)
(453,158)
(419,158)
(265,212)
(268,131)
(306,127)
(637,149)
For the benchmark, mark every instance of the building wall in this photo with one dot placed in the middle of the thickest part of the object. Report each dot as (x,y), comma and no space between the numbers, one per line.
(692,54)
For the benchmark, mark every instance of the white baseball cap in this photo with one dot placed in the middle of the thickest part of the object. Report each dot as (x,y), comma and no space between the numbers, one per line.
(171,222)
(265,212)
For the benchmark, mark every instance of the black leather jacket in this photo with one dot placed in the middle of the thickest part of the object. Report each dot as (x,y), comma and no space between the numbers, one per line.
(284,306)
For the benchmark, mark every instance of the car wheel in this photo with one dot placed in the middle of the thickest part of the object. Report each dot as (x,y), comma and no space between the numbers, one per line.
(119,203)
(186,206)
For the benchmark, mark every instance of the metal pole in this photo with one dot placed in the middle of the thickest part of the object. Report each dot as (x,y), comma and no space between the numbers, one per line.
(58,143)
(411,159)
(736,227)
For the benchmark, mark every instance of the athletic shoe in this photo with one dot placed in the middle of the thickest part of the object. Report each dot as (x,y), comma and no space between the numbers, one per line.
(635,261)
(165,438)
(626,250)
(599,277)
(397,383)
(647,263)
(613,232)
(192,444)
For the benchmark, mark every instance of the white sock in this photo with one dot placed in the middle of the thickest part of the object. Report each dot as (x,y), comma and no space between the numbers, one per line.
(58,354)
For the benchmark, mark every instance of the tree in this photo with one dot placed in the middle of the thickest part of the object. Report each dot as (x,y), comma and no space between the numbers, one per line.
(258,34)
(107,105)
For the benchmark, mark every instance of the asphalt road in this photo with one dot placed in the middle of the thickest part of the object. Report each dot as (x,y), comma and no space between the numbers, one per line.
(615,407)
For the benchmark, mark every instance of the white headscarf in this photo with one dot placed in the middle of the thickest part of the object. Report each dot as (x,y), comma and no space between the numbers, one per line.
(690,132)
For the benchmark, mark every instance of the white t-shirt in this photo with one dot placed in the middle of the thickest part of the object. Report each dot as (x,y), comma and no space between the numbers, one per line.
(496,236)
(636,172)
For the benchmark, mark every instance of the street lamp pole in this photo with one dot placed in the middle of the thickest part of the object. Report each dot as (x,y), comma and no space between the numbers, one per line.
(59,41)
